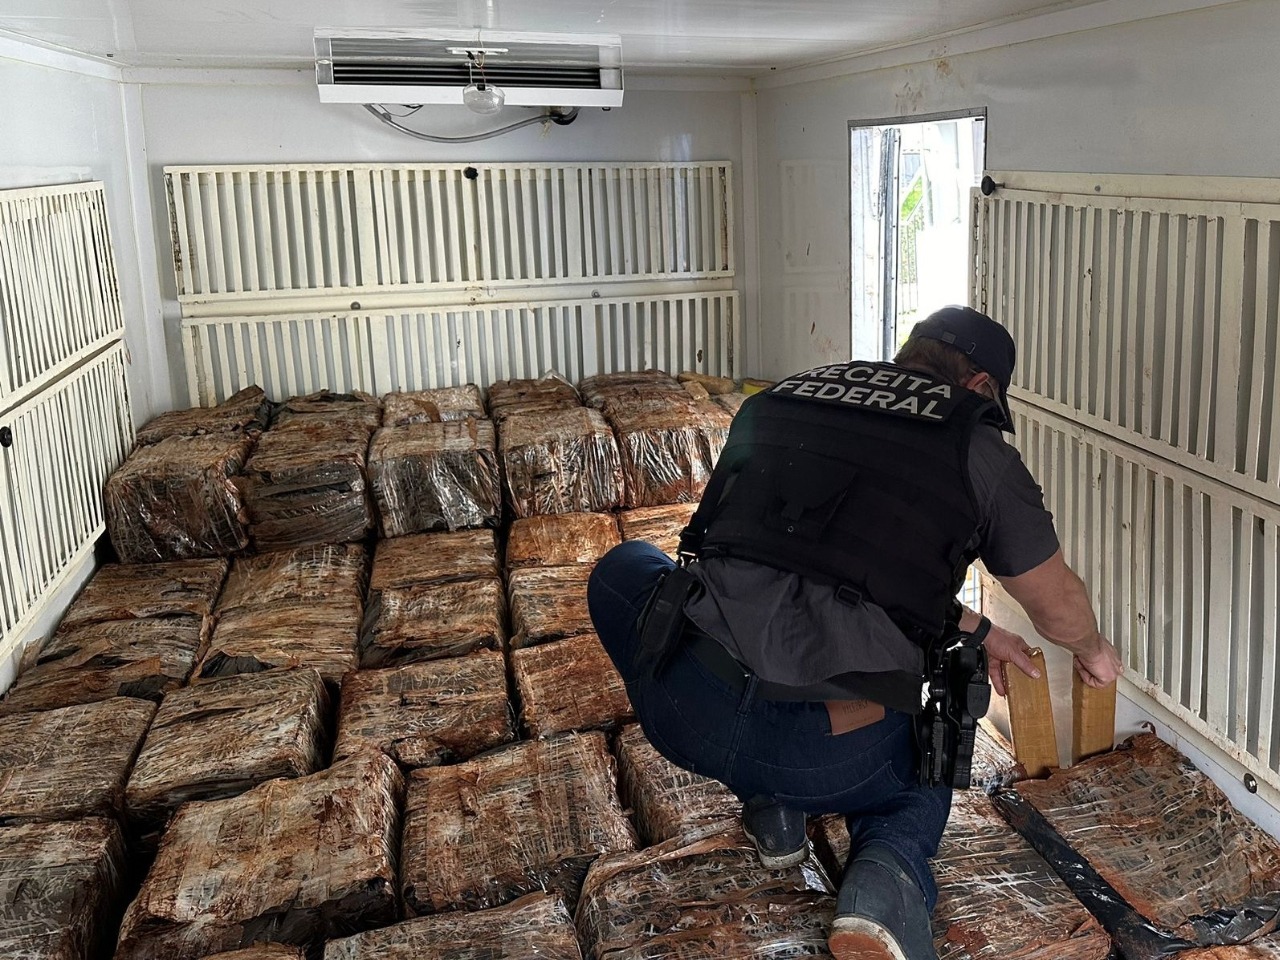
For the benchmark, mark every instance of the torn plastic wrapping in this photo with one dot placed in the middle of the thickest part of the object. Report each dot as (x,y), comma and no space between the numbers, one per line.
(60,885)
(127,591)
(427,558)
(667,802)
(177,500)
(419,623)
(221,738)
(69,762)
(321,635)
(669,447)
(531,816)
(660,526)
(560,539)
(425,714)
(433,406)
(548,603)
(550,394)
(242,412)
(289,861)
(560,462)
(535,926)
(435,476)
(306,575)
(569,685)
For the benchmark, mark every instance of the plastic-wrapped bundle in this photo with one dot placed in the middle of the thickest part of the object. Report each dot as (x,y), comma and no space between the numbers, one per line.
(425,714)
(569,685)
(660,526)
(263,951)
(308,576)
(732,402)
(241,412)
(128,591)
(358,412)
(716,386)
(528,817)
(433,406)
(669,447)
(59,884)
(290,861)
(176,500)
(605,390)
(70,762)
(666,801)
(535,926)
(1268,949)
(220,738)
(548,395)
(323,636)
(413,624)
(560,462)
(712,888)
(427,558)
(548,603)
(560,540)
(435,476)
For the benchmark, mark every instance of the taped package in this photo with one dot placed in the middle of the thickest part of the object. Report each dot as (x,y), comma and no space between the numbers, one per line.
(435,476)
(548,603)
(535,926)
(529,817)
(707,898)
(427,558)
(611,391)
(357,412)
(289,861)
(731,401)
(70,762)
(419,623)
(560,540)
(129,591)
(433,406)
(548,395)
(660,526)
(263,951)
(669,446)
(243,412)
(177,500)
(569,685)
(716,386)
(60,885)
(221,738)
(560,462)
(666,801)
(307,575)
(425,714)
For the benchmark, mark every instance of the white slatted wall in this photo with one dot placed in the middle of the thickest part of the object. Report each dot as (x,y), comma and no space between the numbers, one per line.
(1147,406)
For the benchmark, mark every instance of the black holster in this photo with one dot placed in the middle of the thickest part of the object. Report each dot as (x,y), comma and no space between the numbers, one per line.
(662,621)
(958,694)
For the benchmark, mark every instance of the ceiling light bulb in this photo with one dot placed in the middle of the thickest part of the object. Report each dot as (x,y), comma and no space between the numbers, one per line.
(483,98)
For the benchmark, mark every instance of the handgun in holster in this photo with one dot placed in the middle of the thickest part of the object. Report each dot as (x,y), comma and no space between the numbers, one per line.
(662,621)
(958,694)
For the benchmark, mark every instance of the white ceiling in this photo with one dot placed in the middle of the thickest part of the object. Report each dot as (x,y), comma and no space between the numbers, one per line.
(731,37)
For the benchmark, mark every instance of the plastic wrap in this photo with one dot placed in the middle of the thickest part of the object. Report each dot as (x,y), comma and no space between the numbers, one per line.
(712,889)
(413,624)
(323,636)
(263,951)
(128,591)
(669,447)
(435,476)
(241,412)
(427,558)
(569,685)
(221,738)
(1268,949)
(605,390)
(290,861)
(548,603)
(357,412)
(176,500)
(696,390)
(535,927)
(531,816)
(731,401)
(425,714)
(548,395)
(560,540)
(565,462)
(716,386)
(660,526)
(433,406)
(667,802)
(60,885)
(70,762)
(307,575)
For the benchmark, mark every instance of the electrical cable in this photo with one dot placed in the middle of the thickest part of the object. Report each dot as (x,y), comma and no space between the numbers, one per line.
(389,119)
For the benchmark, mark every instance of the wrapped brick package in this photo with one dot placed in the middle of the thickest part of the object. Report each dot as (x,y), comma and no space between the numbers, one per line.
(242,412)
(731,401)
(548,603)
(414,624)
(425,714)
(129,591)
(667,802)
(435,476)
(427,558)
(660,526)
(59,884)
(70,762)
(220,738)
(290,861)
(716,386)
(1265,949)
(176,500)
(357,412)
(706,898)
(528,817)
(433,406)
(669,447)
(308,575)
(560,540)
(535,927)
(606,391)
(569,685)
(263,951)
(560,462)
(548,395)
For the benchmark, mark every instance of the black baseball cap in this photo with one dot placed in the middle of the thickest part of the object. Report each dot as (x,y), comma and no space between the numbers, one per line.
(987,344)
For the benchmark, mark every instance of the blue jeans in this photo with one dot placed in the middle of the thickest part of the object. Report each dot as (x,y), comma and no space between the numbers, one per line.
(768,747)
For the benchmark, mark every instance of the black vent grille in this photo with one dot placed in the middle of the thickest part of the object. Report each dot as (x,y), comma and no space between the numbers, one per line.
(390,71)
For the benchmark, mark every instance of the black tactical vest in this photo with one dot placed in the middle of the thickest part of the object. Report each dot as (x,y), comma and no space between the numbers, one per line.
(857,475)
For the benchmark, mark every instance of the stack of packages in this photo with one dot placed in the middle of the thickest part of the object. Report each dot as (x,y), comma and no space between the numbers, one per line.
(660,526)
(434,465)
(306,482)
(137,630)
(246,412)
